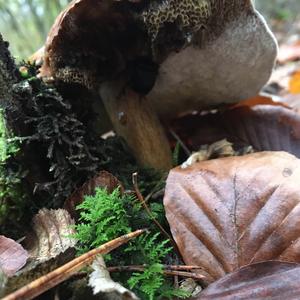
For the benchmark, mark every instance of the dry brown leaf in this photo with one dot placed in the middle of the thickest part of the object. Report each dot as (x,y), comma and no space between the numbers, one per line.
(289,53)
(49,246)
(52,230)
(293,101)
(272,280)
(229,212)
(265,127)
(12,256)
(271,127)
(102,180)
(259,100)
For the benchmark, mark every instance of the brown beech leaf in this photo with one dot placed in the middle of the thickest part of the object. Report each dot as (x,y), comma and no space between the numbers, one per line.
(226,213)
(271,280)
(258,122)
(12,256)
(102,180)
(49,246)
(265,127)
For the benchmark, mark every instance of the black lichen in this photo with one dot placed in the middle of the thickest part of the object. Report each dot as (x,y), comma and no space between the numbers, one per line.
(61,152)
(60,149)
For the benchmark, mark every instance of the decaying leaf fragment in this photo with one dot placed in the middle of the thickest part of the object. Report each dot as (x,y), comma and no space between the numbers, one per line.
(12,256)
(102,180)
(221,148)
(49,246)
(267,280)
(229,212)
(52,229)
(101,282)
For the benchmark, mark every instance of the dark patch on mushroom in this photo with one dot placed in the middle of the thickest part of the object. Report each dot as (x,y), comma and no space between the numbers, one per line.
(142,75)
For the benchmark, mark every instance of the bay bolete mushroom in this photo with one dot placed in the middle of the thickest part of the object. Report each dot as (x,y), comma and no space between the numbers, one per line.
(157,59)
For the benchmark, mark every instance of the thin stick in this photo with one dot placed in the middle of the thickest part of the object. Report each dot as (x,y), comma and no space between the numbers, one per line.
(154,189)
(147,209)
(166,272)
(64,272)
(181,143)
(165,267)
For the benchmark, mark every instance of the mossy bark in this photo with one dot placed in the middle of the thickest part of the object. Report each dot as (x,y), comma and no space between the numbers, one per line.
(7,73)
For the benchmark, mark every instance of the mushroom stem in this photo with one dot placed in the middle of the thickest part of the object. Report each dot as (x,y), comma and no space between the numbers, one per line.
(135,120)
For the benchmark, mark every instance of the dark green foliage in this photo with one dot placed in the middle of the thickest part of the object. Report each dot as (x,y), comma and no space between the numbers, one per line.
(149,282)
(12,198)
(106,216)
(175,156)
(150,250)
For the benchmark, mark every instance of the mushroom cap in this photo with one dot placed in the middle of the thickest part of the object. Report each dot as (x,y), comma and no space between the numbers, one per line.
(208,51)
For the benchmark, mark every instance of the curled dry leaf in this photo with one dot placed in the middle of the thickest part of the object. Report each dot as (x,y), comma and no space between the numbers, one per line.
(49,246)
(52,230)
(12,256)
(267,280)
(229,212)
(259,122)
(265,127)
(191,286)
(102,180)
(218,149)
(101,282)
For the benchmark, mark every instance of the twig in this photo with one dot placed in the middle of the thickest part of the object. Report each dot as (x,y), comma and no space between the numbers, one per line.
(166,272)
(147,209)
(154,189)
(181,143)
(64,272)
(165,267)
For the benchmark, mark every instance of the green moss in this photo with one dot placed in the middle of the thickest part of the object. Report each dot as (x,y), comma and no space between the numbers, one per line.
(12,199)
(104,217)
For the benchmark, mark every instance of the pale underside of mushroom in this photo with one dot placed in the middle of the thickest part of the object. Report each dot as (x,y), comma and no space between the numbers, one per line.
(231,68)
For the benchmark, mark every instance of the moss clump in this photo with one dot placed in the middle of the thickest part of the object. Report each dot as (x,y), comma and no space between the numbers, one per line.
(104,217)
(12,197)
